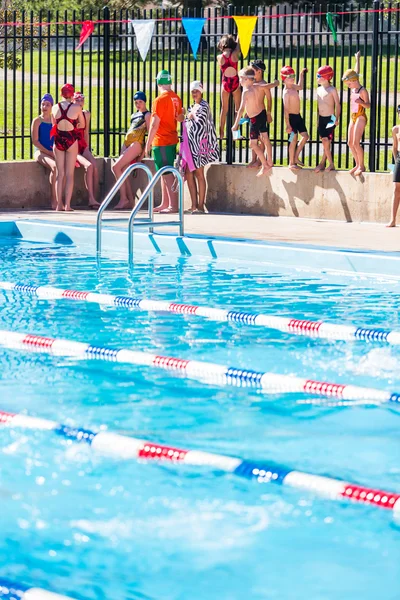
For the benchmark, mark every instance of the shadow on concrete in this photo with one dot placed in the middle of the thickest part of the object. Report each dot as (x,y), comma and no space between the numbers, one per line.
(306,193)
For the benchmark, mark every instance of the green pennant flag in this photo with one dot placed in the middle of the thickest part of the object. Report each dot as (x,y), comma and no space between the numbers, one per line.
(331,25)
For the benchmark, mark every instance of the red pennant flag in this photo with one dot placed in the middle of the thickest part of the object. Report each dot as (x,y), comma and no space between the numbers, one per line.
(87,30)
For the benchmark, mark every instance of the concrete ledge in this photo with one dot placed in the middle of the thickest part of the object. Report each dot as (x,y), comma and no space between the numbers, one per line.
(336,195)
(234,189)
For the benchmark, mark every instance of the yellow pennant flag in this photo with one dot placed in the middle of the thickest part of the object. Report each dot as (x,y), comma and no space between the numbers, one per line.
(245,26)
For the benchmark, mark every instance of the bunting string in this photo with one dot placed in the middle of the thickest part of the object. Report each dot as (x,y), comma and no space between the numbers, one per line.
(143,29)
(216,18)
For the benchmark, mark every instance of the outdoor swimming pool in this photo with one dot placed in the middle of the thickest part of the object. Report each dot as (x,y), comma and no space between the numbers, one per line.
(90,527)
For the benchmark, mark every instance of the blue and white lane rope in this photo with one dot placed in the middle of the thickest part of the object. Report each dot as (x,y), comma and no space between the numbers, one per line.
(123,447)
(205,372)
(317,329)
(16,591)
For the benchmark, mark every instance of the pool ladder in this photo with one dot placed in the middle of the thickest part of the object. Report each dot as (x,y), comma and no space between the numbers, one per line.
(147,194)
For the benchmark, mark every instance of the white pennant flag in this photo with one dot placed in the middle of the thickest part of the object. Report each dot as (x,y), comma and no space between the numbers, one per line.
(144,32)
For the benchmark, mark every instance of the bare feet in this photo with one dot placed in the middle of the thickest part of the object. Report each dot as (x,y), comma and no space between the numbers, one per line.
(254,164)
(263,171)
(358,172)
(319,169)
(169,210)
(353,170)
(54,205)
(60,207)
(122,205)
(294,167)
(68,209)
(299,162)
(93,204)
(331,168)
(391,224)
(158,209)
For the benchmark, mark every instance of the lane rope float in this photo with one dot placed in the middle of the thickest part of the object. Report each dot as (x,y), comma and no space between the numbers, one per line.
(123,447)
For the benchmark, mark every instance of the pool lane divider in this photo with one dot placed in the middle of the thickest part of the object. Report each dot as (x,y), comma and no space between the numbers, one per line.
(316,329)
(11,591)
(123,447)
(204,372)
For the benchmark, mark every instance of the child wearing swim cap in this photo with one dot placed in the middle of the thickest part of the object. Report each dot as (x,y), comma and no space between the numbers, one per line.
(294,121)
(328,114)
(132,149)
(85,157)
(359,101)
(43,142)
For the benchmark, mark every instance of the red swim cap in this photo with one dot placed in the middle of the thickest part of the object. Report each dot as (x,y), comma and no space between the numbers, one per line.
(67,90)
(286,72)
(326,72)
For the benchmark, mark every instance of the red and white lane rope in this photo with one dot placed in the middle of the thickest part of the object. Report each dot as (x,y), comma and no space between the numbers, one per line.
(205,372)
(262,471)
(317,329)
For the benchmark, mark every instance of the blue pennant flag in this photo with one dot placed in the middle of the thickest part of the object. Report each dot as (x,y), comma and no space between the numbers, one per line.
(193,29)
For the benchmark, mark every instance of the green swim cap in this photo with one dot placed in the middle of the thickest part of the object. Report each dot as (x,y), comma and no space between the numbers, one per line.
(164,78)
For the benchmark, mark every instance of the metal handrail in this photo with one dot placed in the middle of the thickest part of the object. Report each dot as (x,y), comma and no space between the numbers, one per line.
(112,193)
(148,193)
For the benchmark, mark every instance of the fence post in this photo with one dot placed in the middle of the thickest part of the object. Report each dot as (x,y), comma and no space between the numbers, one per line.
(374,86)
(229,120)
(106,81)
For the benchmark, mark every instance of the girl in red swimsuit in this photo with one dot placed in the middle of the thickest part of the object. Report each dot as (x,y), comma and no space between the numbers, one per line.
(85,156)
(228,62)
(67,118)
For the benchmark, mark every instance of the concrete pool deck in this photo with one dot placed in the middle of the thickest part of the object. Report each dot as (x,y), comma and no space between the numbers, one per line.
(335,234)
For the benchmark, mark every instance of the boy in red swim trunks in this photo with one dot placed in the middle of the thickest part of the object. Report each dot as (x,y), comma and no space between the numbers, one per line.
(228,62)
(328,114)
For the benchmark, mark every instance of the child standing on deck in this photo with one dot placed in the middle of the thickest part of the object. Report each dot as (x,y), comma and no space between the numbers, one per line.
(328,114)
(259,69)
(294,121)
(253,102)
(359,101)
(85,156)
(228,62)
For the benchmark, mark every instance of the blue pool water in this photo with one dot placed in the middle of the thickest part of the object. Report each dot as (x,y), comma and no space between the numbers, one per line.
(92,528)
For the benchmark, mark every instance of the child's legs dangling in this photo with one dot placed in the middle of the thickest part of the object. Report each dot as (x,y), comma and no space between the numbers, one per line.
(292,151)
(350,143)
(224,111)
(359,128)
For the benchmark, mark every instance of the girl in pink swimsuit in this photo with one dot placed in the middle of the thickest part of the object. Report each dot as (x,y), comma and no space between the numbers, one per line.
(228,62)
(359,102)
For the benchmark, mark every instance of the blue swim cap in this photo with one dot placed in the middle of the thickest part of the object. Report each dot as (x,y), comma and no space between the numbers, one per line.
(48,98)
(140,96)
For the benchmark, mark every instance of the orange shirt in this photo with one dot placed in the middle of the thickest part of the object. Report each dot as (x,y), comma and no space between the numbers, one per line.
(167,106)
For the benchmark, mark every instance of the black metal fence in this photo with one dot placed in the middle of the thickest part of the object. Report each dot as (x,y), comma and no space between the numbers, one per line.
(35,59)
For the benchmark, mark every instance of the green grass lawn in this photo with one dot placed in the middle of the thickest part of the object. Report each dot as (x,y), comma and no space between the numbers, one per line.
(127,74)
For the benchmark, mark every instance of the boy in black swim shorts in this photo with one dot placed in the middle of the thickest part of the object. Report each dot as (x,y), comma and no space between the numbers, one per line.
(253,103)
(294,121)
(259,125)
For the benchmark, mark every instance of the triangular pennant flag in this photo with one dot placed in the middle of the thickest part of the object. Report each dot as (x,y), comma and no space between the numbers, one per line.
(193,29)
(86,32)
(144,32)
(245,26)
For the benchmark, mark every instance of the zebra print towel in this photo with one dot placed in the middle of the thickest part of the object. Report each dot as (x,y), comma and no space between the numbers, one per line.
(202,138)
